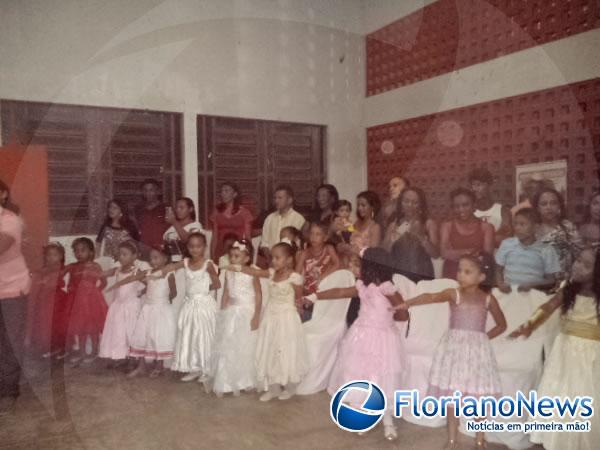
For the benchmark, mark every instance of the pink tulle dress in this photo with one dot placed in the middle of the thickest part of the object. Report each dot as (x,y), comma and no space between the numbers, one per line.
(372,348)
(464,360)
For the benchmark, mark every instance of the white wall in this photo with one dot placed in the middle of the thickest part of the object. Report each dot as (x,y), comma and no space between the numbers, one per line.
(293,60)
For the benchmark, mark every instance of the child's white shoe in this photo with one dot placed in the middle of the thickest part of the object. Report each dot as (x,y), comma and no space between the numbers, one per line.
(267,396)
(190,376)
(205,381)
(285,395)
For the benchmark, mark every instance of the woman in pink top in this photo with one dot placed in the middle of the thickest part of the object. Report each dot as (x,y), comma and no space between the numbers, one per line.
(14,287)
(229,216)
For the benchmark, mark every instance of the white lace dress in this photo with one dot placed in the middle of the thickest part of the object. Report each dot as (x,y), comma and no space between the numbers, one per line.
(233,367)
(196,322)
(573,369)
(121,319)
(281,351)
(464,359)
(156,328)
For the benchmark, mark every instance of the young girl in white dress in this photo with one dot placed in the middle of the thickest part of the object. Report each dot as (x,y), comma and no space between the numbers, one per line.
(573,367)
(281,353)
(124,309)
(155,330)
(197,316)
(233,367)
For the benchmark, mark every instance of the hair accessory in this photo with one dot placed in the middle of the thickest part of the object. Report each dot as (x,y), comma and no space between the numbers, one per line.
(286,240)
(240,246)
(54,244)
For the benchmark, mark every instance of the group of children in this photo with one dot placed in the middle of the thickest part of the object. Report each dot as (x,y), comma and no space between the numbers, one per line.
(245,346)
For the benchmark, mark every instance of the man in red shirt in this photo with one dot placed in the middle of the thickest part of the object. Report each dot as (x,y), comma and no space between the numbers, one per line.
(150,216)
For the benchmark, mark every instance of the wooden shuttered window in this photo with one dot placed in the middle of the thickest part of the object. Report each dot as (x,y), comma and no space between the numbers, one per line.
(95,154)
(258,155)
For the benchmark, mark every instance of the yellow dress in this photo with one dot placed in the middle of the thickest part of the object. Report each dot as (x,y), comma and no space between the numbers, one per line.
(572,369)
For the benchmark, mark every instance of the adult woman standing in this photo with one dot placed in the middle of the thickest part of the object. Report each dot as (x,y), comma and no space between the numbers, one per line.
(412,237)
(229,216)
(555,229)
(14,287)
(465,233)
(590,229)
(367,232)
(183,223)
(326,195)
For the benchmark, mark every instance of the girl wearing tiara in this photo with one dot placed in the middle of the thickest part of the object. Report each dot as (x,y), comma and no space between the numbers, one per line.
(281,354)
(464,360)
(233,367)
(197,316)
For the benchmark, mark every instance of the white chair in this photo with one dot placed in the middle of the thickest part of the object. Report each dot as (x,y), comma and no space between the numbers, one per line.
(323,333)
(519,361)
(428,323)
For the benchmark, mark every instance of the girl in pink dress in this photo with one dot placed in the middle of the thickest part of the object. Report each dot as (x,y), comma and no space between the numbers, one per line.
(464,360)
(372,348)
(124,309)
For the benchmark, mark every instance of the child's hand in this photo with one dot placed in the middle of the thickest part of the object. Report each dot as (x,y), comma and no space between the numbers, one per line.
(254,323)
(523,330)
(401,307)
(505,287)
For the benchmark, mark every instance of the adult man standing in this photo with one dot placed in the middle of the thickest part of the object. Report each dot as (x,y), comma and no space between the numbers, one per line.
(486,208)
(284,216)
(150,216)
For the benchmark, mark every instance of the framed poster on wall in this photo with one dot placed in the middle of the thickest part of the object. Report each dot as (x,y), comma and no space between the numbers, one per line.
(552,174)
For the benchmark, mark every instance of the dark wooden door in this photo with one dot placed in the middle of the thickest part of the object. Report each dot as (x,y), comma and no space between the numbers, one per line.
(95,154)
(258,155)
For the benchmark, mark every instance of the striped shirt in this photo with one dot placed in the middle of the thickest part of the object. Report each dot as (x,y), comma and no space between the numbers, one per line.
(527,264)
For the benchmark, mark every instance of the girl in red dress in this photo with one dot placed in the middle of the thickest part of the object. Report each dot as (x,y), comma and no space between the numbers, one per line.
(47,294)
(84,291)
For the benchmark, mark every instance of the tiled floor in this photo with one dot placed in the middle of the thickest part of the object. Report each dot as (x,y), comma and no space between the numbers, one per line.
(105,410)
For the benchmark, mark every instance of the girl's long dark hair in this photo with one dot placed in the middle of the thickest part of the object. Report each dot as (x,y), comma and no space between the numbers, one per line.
(422,204)
(571,290)
(333,192)
(588,211)
(372,199)
(237,200)
(376,266)
(190,204)
(125,221)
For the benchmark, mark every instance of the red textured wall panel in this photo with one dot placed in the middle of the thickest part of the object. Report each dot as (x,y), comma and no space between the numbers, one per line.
(451,34)
(437,151)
